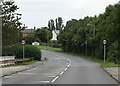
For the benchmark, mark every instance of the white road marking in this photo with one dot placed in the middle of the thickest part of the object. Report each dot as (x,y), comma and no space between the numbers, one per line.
(34,68)
(7,77)
(61,72)
(51,76)
(27,73)
(44,81)
(55,79)
(68,66)
(56,58)
(65,69)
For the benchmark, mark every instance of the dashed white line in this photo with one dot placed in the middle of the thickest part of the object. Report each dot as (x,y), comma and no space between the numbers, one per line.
(65,69)
(61,72)
(55,79)
(68,66)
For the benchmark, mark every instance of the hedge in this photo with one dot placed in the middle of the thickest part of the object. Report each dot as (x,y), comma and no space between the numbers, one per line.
(30,52)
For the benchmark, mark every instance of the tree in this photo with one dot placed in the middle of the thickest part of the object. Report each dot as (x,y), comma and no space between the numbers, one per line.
(77,32)
(43,34)
(51,24)
(57,26)
(11,26)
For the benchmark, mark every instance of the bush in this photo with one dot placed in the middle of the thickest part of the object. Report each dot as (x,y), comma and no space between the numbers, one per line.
(30,39)
(8,51)
(55,43)
(30,52)
(113,52)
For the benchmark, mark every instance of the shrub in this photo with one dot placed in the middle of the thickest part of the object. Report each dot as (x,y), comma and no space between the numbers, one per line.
(30,39)
(55,43)
(113,52)
(8,51)
(30,52)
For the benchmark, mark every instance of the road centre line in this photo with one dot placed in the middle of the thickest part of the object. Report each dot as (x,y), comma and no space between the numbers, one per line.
(68,66)
(61,72)
(66,69)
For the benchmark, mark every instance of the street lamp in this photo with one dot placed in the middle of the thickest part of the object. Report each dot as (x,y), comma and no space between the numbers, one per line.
(93,37)
(94,29)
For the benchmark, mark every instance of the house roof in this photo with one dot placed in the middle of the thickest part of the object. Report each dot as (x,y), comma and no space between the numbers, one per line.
(28,31)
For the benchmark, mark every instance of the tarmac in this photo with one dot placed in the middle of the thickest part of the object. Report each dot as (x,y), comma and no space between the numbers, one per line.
(5,71)
(113,71)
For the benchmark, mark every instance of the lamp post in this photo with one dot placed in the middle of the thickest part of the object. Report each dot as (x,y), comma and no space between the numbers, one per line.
(93,30)
(93,37)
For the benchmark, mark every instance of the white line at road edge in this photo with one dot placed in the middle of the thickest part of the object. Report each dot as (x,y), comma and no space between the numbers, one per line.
(55,79)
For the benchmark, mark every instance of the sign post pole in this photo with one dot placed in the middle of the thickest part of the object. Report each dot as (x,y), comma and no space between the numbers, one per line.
(104,53)
(104,42)
(23,43)
(23,53)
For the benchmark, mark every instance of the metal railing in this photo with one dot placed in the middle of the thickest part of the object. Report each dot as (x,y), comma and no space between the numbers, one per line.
(7,61)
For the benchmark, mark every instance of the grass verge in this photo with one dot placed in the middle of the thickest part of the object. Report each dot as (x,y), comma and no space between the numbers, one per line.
(101,62)
(50,48)
(28,63)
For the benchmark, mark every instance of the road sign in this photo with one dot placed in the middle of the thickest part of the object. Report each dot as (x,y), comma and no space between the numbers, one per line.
(23,42)
(104,41)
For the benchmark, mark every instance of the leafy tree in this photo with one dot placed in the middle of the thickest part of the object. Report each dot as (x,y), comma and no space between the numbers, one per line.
(77,32)
(11,26)
(43,34)
(56,26)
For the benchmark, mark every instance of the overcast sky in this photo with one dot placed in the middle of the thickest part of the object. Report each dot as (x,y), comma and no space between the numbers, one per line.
(38,12)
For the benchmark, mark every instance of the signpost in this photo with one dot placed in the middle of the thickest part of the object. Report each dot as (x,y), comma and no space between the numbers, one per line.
(23,43)
(104,42)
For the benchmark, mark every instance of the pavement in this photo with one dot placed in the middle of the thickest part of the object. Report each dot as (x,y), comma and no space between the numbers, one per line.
(5,71)
(114,72)
(61,69)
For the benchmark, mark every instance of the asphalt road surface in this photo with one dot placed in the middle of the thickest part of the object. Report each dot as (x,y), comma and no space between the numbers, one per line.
(62,69)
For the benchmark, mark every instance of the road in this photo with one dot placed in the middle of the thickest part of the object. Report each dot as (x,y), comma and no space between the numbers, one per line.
(62,69)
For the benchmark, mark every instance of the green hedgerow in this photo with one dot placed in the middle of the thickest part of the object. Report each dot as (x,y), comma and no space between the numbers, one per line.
(30,52)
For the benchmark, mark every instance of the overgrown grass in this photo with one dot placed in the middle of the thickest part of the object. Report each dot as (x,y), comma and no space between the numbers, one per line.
(50,48)
(28,63)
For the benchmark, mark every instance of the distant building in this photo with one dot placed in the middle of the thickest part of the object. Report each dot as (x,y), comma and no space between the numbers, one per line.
(28,32)
(55,33)
(54,36)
